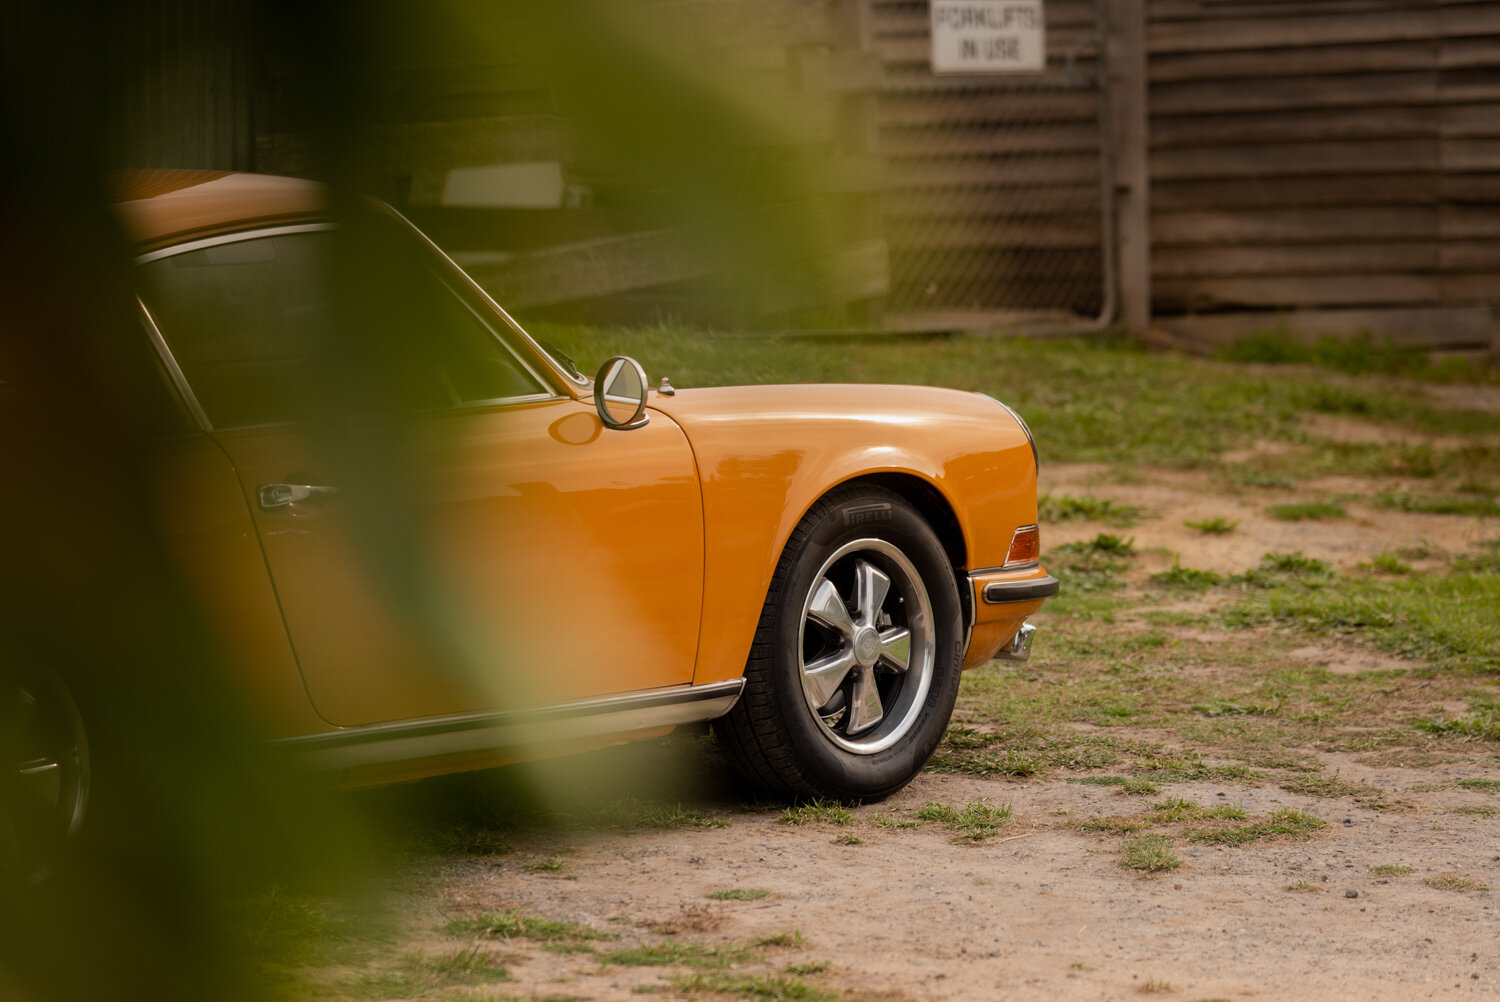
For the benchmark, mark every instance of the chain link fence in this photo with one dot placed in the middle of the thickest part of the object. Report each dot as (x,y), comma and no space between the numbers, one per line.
(996,207)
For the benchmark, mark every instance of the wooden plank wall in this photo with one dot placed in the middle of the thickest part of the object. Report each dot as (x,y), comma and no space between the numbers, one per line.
(1334,157)
(992,200)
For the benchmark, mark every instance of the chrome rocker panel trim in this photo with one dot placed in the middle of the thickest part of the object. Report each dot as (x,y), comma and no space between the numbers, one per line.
(430,737)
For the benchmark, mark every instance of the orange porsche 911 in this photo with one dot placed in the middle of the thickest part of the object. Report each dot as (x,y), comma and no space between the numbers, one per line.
(809,567)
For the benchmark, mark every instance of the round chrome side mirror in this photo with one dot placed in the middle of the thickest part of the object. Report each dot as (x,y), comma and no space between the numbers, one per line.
(620,393)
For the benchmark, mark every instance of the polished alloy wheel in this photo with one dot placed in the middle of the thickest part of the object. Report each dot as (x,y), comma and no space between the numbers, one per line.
(48,787)
(867,646)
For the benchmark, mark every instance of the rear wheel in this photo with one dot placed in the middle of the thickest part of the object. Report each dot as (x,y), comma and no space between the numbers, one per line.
(854,669)
(46,758)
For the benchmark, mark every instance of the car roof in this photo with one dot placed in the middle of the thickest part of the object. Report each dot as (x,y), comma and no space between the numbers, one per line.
(164,207)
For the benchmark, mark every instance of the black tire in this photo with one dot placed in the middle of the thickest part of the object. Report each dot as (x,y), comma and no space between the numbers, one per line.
(782,735)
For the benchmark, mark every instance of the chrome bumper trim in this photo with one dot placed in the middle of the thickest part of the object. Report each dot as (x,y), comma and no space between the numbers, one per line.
(1019,648)
(1000,592)
(430,737)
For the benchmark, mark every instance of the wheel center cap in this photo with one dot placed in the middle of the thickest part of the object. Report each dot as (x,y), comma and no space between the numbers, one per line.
(867,646)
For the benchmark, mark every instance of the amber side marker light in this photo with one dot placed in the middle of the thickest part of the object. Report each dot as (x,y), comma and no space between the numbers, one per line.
(1025,547)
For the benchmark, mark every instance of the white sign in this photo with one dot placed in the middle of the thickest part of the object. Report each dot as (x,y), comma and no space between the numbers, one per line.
(988,36)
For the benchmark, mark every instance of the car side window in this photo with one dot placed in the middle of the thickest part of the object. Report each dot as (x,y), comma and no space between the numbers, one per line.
(248,323)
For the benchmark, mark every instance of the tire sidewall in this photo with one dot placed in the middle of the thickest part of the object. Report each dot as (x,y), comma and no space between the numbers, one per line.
(852,515)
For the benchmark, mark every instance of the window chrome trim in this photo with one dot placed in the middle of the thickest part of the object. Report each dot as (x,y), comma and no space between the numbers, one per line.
(431,737)
(239,236)
(230,238)
(164,353)
(582,382)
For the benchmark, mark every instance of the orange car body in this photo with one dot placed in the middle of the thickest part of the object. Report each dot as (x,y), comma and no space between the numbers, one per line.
(577,583)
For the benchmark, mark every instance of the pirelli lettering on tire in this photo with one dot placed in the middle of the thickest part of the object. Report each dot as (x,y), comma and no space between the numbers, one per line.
(864,513)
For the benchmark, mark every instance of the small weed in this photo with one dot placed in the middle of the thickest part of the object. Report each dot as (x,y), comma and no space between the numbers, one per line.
(887,822)
(1137,787)
(1391,870)
(1105,543)
(1149,854)
(1484,507)
(1216,526)
(514,925)
(849,838)
(1065,508)
(1482,722)
(1487,785)
(1330,787)
(1224,708)
(546,865)
(793,938)
(1153,987)
(1479,810)
(632,812)
(740,894)
(1186,578)
(1303,886)
(1453,882)
(1178,809)
(1306,511)
(761,987)
(671,953)
(1389,563)
(816,967)
(1114,823)
(973,822)
(817,810)
(1283,823)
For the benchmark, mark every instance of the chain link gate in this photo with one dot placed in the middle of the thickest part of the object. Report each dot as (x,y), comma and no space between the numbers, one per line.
(997,202)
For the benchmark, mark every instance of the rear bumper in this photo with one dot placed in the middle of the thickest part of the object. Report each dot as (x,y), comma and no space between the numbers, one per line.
(1000,601)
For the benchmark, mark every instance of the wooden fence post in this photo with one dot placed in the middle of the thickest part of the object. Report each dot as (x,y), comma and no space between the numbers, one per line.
(1125,77)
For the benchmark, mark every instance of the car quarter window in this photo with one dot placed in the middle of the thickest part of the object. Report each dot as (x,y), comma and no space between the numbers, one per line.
(248,323)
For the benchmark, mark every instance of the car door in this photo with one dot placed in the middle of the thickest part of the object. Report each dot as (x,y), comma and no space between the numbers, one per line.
(483,543)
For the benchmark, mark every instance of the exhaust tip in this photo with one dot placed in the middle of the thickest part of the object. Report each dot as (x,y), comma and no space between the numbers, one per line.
(1019,648)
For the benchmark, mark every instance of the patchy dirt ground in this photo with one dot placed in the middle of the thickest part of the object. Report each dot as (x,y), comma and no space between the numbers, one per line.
(1390,899)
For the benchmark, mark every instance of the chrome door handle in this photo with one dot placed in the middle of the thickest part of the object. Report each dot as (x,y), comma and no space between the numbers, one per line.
(281,495)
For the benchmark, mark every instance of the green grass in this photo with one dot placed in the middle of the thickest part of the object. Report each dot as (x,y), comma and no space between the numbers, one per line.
(740,894)
(1453,882)
(420,975)
(673,953)
(1176,809)
(295,930)
(792,939)
(546,865)
(1304,511)
(1436,504)
(1486,785)
(1066,508)
(1445,617)
(1186,578)
(1149,854)
(514,925)
(1280,824)
(760,987)
(1216,526)
(1358,355)
(973,822)
(1391,870)
(815,812)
